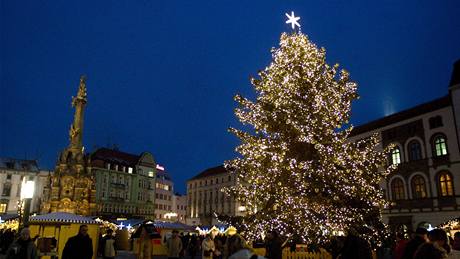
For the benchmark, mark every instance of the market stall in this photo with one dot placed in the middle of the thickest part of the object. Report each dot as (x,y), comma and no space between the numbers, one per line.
(56,228)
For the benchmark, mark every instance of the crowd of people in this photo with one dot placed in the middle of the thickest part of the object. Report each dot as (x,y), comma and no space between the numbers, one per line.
(219,246)
(424,244)
(434,244)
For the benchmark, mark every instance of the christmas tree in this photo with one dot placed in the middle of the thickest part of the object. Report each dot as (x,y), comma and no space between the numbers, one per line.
(298,173)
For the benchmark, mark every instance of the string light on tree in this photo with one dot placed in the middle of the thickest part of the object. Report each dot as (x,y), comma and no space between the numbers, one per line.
(298,173)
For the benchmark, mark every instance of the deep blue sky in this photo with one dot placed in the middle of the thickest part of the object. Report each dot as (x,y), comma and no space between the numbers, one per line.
(162,74)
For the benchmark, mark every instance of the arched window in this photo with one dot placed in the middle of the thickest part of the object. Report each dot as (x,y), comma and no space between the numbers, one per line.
(415,151)
(418,187)
(395,156)
(397,189)
(440,146)
(445,184)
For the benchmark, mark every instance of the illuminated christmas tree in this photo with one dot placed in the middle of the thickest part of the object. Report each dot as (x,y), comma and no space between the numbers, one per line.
(298,173)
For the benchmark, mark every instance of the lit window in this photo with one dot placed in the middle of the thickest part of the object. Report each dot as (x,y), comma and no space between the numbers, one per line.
(418,187)
(2,207)
(151,174)
(130,170)
(440,146)
(397,189)
(415,151)
(396,156)
(445,184)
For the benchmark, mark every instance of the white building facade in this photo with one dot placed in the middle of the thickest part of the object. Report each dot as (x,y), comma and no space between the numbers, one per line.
(12,173)
(425,188)
(164,192)
(205,198)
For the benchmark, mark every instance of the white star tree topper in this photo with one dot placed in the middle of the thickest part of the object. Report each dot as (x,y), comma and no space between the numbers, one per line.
(293,20)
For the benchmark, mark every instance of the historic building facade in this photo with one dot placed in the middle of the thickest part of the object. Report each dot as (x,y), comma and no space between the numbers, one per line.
(12,173)
(425,188)
(205,198)
(179,208)
(72,187)
(125,183)
(164,193)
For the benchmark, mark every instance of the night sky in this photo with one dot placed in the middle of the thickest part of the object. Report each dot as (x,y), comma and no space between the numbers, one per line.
(162,74)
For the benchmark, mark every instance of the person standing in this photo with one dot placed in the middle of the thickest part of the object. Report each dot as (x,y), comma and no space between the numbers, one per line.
(437,247)
(355,247)
(174,245)
(401,243)
(208,247)
(79,246)
(193,246)
(273,246)
(455,253)
(108,248)
(23,247)
(419,238)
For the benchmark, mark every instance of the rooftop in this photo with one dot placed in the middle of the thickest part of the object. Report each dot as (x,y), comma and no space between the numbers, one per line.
(19,164)
(210,172)
(115,156)
(403,115)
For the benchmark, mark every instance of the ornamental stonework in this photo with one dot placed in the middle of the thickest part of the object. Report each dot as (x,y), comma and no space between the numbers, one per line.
(72,187)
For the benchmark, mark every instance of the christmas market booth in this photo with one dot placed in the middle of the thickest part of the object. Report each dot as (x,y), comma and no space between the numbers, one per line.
(451,226)
(9,221)
(157,232)
(56,228)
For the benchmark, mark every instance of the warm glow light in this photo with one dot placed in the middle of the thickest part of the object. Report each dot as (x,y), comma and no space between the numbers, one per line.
(170,215)
(298,172)
(27,189)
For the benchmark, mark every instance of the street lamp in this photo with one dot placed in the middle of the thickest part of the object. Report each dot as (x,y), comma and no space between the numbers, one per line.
(27,193)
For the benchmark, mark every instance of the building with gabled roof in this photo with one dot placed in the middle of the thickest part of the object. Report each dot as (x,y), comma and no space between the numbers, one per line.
(125,183)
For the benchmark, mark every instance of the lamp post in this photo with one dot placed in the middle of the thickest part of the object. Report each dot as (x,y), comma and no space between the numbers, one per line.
(27,192)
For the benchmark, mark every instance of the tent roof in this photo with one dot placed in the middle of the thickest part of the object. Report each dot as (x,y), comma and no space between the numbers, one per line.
(63,217)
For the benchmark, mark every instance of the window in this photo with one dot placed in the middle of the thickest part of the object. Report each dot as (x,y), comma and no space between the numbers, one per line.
(435,122)
(130,170)
(445,184)
(418,187)
(151,174)
(3,207)
(415,151)
(395,156)
(8,177)
(229,178)
(397,189)
(440,146)
(6,189)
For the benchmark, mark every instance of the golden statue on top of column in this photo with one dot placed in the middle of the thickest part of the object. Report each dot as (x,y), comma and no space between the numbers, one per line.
(72,187)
